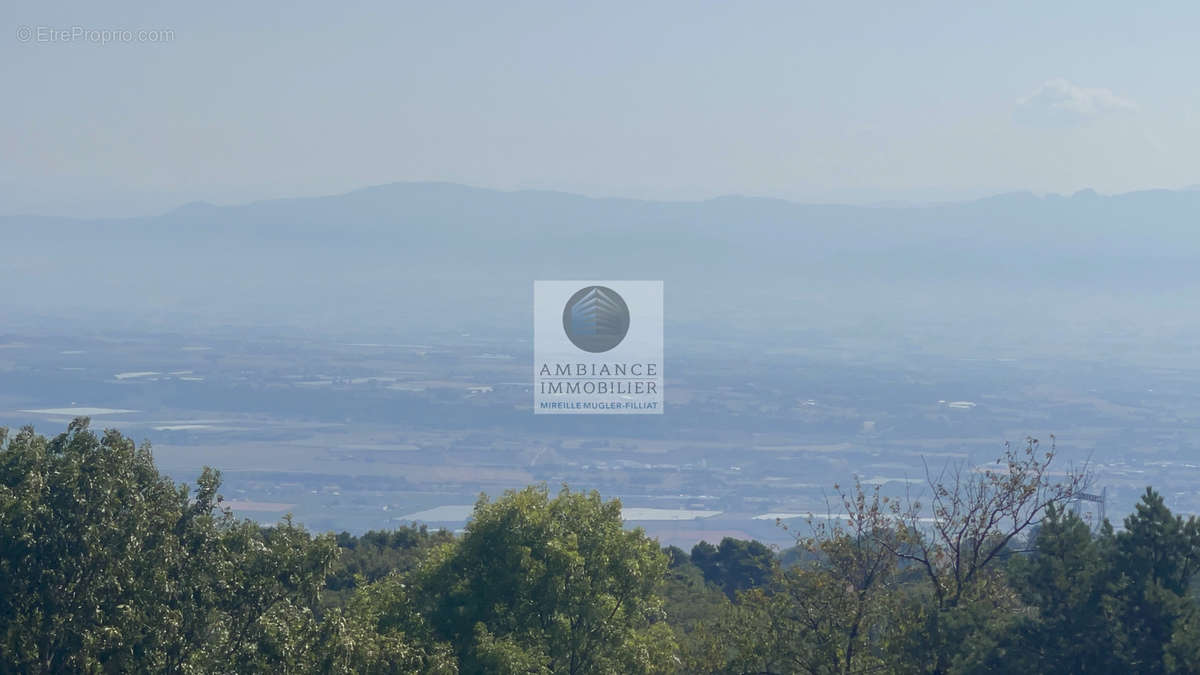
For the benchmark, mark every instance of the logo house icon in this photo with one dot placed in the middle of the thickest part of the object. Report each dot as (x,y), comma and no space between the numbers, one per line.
(596,319)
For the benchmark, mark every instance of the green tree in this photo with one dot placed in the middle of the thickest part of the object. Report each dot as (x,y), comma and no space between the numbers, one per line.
(87,546)
(549,585)
(826,613)
(690,602)
(378,632)
(958,542)
(107,565)
(376,554)
(1114,603)
(1066,580)
(735,564)
(1156,557)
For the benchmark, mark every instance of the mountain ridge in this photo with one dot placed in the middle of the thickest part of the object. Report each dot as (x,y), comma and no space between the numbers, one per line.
(412,188)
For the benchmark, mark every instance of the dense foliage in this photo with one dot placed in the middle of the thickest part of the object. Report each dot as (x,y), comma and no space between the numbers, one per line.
(374,555)
(107,566)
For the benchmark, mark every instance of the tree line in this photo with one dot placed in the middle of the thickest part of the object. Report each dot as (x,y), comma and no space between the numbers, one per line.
(108,566)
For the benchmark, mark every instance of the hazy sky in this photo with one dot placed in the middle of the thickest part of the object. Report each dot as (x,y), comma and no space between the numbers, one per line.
(809,101)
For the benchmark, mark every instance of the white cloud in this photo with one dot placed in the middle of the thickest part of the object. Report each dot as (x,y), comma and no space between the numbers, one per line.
(1058,101)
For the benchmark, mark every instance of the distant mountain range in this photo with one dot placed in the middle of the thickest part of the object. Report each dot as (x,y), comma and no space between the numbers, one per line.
(442,211)
(417,246)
